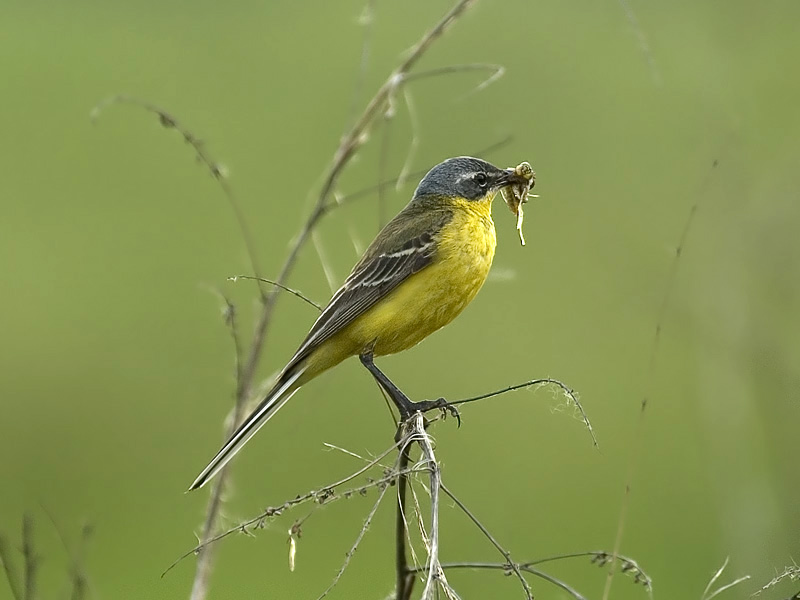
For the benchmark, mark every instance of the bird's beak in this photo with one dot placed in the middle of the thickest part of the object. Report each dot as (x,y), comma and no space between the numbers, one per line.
(510,177)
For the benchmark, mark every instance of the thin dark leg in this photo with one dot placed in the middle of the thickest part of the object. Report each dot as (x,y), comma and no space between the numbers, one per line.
(401,401)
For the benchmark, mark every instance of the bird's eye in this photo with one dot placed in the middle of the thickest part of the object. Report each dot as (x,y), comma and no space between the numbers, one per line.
(481,179)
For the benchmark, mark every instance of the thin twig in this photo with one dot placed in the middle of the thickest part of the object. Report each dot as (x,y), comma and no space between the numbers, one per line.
(636,443)
(388,119)
(216,169)
(405,581)
(8,567)
(79,579)
(496,72)
(708,594)
(513,566)
(292,291)
(204,556)
(367,191)
(791,572)
(367,21)
(423,534)
(523,567)
(31,559)
(77,574)
(367,522)
(412,147)
(323,495)
(598,557)
(327,268)
(537,382)
(727,586)
(435,573)
(351,142)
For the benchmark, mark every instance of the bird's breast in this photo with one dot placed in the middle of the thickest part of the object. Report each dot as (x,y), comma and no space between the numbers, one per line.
(432,298)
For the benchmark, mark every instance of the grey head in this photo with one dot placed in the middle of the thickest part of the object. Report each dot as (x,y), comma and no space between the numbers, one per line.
(464,177)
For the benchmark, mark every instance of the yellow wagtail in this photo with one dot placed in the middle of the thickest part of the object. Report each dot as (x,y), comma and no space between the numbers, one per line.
(418,274)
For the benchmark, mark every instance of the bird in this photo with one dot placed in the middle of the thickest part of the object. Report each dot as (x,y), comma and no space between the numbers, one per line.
(421,270)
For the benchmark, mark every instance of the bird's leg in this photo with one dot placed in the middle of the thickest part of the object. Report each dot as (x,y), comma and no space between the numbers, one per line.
(401,401)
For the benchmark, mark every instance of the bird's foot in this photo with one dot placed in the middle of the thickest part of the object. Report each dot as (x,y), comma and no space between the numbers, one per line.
(439,404)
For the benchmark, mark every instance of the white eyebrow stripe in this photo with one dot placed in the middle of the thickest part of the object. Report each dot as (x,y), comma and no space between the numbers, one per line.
(469,175)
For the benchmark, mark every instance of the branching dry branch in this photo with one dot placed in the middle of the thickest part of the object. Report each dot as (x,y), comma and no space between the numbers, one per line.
(415,432)
(598,557)
(323,495)
(351,142)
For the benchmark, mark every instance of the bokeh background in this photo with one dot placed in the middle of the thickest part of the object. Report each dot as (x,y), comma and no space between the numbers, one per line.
(117,367)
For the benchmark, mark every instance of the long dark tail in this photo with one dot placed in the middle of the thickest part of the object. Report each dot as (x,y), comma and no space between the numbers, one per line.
(275,399)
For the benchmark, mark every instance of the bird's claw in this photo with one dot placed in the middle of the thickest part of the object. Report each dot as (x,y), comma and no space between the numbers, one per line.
(447,408)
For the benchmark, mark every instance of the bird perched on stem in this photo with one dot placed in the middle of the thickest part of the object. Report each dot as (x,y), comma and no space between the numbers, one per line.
(418,274)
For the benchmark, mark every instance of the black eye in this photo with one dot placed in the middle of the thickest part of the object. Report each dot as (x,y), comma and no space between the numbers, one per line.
(481,179)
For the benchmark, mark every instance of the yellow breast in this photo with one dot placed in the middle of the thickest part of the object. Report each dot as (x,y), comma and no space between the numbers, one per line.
(430,299)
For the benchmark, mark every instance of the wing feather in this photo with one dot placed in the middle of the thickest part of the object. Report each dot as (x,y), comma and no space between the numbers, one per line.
(388,262)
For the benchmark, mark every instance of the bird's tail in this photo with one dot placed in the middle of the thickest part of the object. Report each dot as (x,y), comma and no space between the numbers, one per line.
(274,400)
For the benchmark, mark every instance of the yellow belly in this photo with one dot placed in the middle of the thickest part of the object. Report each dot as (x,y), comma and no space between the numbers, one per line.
(430,299)
(427,300)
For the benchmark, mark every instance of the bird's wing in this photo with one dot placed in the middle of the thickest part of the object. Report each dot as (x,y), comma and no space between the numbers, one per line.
(383,267)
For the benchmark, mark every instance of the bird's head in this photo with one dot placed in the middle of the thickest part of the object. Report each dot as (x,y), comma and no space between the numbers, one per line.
(465,177)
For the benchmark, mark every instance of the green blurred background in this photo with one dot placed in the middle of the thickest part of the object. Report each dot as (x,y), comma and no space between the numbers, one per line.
(117,368)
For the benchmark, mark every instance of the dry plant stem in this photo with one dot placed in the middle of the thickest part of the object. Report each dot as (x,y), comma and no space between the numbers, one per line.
(79,579)
(506,554)
(367,21)
(347,198)
(31,559)
(326,494)
(423,534)
(597,556)
(367,522)
(790,573)
(405,579)
(434,569)
(11,575)
(350,143)
(384,156)
(523,567)
(537,382)
(635,451)
(708,594)
(285,288)
(204,556)
(216,170)
(202,572)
